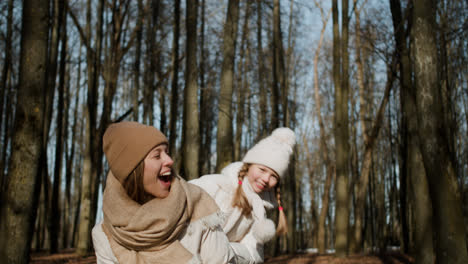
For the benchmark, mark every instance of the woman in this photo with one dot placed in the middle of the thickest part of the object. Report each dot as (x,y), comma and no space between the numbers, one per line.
(244,190)
(151,215)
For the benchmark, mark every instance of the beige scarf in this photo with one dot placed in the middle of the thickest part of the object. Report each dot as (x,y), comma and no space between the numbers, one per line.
(150,233)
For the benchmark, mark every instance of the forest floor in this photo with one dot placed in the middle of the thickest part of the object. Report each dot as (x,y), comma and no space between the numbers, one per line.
(68,256)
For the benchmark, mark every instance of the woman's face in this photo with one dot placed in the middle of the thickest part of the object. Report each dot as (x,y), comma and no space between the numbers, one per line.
(157,175)
(262,178)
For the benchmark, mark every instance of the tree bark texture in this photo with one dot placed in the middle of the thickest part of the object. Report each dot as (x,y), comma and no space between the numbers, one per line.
(6,72)
(190,130)
(174,115)
(224,145)
(340,75)
(324,149)
(412,166)
(440,171)
(18,209)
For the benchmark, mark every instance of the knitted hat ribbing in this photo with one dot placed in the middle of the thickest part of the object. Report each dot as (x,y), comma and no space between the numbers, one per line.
(126,144)
(273,151)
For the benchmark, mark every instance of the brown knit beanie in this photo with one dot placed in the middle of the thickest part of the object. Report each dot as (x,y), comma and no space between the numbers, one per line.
(126,144)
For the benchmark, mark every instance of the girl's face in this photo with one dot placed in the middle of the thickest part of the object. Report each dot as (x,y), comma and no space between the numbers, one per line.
(157,175)
(262,178)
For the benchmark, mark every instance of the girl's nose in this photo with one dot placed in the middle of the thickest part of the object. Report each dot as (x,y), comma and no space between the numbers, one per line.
(266,178)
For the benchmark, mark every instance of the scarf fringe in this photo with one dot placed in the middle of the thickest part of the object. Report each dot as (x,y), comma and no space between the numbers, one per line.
(209,222)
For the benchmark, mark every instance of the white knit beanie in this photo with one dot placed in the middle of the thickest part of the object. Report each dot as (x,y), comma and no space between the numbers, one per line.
(273,151)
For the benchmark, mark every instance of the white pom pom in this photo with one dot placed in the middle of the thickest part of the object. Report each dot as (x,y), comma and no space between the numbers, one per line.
(285,136)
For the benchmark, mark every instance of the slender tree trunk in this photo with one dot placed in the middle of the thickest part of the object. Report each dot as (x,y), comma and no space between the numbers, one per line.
(70,157)
(54,222)
(150,69)
(6,71)
(191,131)
(242,84)
(205,103)
(443,187)
(136,65)
(370,137)
(324,149)
(340,79)
(224,145)
(412,161)
(263,124)
(18,209)
(66,200)
(174,80)
(278,66)
(89,159)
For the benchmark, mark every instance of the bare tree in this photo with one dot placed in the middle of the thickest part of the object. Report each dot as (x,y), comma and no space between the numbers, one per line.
(224,143)
(191,131)
(6,72)
(136,65)
(440,171)
(412,165)
(54,222)
(90,161)
(263,124)
(19,204)
(324,148)
(340,80)
(174,79)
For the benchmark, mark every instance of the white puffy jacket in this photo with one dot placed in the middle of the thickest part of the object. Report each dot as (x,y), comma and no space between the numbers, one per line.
(246,234)
(203,238)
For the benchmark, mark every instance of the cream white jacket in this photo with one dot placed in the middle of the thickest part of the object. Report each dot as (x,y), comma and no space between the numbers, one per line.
(204,238)
(246,234)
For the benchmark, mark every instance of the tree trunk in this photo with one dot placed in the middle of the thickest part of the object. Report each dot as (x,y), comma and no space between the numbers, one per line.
(324,149)
(242,83)
(412,166)
(278,67)
(6,71)
(205,102)
(174,80)
(262,119)
(70,158)
(224,145)
(340,80)
(18,209)
(443,187)
(54,222)
(89,159)
(370,137)
(150,67)
(136,65)
(190,130)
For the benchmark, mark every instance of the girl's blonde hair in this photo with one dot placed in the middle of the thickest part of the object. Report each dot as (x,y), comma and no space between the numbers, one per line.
(240,200)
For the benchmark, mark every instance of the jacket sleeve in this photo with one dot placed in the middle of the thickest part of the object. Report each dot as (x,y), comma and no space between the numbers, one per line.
(248,250)
(102,248)
(215,248)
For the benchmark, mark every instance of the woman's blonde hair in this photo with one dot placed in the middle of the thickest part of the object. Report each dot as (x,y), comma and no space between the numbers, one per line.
(240,200)
(134,187)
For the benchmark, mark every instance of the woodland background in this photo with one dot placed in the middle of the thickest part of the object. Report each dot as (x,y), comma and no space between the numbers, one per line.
(376,92)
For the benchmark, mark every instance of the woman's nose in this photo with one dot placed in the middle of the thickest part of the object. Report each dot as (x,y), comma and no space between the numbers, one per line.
(168,160)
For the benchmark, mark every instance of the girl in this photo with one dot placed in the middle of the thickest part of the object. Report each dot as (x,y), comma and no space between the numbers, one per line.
(245,189)
(152,215)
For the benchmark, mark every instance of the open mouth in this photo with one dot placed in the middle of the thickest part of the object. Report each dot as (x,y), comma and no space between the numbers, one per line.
(165,178)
